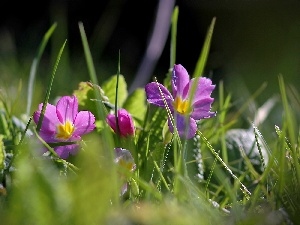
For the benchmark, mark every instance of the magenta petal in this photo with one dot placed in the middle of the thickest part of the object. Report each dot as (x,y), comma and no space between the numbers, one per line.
(67,108)
(84,123)
(49,122)
(48,136)
(180,81)
(125,123)
(50,114)
(111,120)
(154,95)
(186,127)
(65,151)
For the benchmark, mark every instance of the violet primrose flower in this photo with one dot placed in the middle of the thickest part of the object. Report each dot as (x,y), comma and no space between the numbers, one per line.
(63,123)
(125,123)
(124,159)
(185,111)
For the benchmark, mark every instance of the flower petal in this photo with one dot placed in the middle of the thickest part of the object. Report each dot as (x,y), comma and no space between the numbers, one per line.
(49,123)
(111,120)
(186,127)
(180,81)
(124,158)
(202,109)
(154,95)
(204,88)
(125,122)
(84,123)
(65,151)
(67,108)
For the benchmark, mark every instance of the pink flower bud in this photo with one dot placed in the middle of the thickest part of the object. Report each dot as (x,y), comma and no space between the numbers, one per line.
(125,123)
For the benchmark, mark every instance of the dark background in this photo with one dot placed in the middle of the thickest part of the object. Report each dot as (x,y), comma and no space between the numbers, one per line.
(253,41)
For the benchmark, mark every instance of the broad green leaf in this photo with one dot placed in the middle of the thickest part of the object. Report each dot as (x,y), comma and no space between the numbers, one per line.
(109,88)
(86,97)
(136,105)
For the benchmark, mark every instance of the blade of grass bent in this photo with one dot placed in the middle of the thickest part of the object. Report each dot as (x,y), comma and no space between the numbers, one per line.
(34,66)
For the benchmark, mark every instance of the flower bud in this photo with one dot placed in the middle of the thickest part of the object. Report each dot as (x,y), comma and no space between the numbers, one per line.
(125,125)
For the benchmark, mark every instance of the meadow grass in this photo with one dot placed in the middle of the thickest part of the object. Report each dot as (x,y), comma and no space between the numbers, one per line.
(226,174)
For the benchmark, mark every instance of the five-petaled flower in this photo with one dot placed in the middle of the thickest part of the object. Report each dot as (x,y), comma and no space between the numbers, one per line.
(185,108)
(125,125)
(124,159)
(63,123)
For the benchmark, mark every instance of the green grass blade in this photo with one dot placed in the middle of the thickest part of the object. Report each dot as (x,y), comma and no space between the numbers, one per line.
(108,144)
(222,120)
(205,51)
(213,151)
(174,36)
(289,126)
(92,72)
(49,88)
(116,100)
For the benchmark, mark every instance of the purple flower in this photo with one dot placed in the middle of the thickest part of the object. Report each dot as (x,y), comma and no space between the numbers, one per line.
(125,123)
(186,111)
(124,159)
(63,123)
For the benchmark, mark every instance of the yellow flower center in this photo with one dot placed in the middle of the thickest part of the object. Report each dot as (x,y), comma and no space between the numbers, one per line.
(126,164)
(182,107)
(65,131)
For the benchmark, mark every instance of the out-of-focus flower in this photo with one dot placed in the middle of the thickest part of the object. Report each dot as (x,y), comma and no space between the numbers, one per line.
(185,108)
(124,159)
(125,125)
(63,123)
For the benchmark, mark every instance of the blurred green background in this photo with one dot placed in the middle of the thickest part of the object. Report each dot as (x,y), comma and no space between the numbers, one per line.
(253,41)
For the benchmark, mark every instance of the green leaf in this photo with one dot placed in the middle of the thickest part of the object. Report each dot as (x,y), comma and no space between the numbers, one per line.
(84,93)
(86,97)
(136,105)
(109,88)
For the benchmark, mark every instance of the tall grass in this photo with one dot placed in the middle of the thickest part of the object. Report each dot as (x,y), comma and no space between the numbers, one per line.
(226,174)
